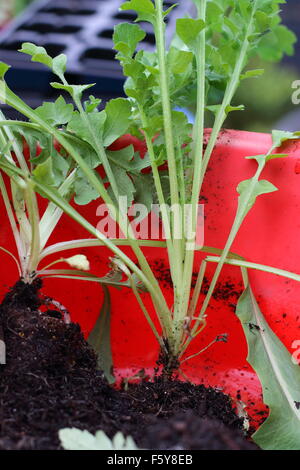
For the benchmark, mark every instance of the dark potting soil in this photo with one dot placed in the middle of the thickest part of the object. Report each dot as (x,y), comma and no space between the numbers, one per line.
(51,381)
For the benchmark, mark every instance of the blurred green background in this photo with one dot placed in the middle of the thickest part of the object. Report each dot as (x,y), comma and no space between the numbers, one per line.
(267,99)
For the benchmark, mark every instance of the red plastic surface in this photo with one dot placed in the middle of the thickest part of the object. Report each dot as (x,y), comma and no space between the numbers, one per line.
(270,235)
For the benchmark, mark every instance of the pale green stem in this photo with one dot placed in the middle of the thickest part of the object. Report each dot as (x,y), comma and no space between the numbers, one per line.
(257,267)
(161,200)
(239,218)
(159,29)
(33,211)
(53,214)
(19,152)
(27,228)
(197,290)
(17,192)
(165,97)
(14,258)
(73,274)
(198,136)
(220,118)
(50,265)
(88,243)
(19,242)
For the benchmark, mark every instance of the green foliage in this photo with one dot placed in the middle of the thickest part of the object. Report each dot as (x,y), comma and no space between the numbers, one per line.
(279,137)
(252,74)
(39,54)
(188,29)
(279,377)
(85,129)
(118,114)
(144,9)
(3,69)
(76,91)
(57,113)
(44,173)
(126,38)
(249,191)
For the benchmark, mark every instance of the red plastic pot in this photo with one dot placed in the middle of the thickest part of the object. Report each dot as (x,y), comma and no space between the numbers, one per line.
(268,236)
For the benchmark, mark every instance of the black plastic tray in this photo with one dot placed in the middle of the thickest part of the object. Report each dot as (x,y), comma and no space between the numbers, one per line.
(83,30)
(291,18)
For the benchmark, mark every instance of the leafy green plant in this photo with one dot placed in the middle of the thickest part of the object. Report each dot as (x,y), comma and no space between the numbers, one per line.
(279,376)
(210,53)
(31,229)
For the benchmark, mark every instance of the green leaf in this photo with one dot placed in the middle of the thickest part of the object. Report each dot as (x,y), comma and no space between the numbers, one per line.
(118,113)
(170,9)
(230,108)
(3,69)
(44,173)
(99,338)
(126,38)
(279,376)
(266,158)
(86,151)
(155,125)
(279,41)
(84,191)
(135,70)
(252,74)
(56,113)
(61,166)
(181,127)
(287,39)
(92,104)
(250,189)
(144,8)
(59,65)
(278,137)
(39,54)
(80,128)
(179,60)
(188,29)
(125,184)
(76,91)
(144,187)
(215,108)
(128,160)
(75,439)
(33,138)
(262,20)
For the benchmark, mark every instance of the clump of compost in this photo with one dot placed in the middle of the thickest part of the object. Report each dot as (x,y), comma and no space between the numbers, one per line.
(51,381)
